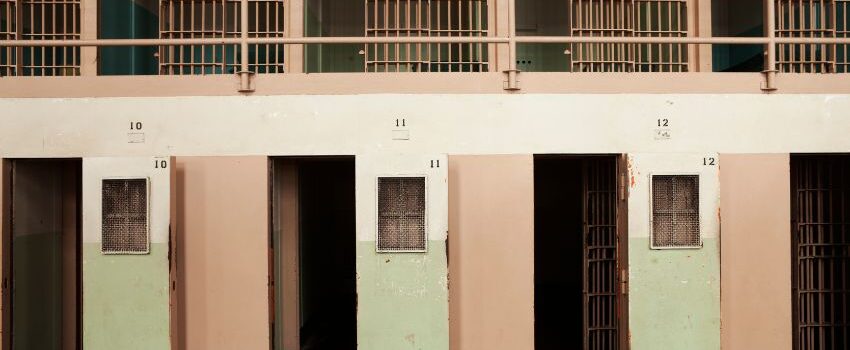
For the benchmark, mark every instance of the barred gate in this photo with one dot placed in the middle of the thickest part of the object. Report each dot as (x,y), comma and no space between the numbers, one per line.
(821,252)
(600,245)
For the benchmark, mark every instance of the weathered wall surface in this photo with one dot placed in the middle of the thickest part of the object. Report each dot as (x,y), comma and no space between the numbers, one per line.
(491,252)
(402,298)
(222,252)
(674,294)
(450,124)
(755,201)
(126,297)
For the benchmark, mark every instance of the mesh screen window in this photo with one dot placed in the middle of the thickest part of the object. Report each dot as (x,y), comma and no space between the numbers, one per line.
(125,217)
(401,214)
(675,211)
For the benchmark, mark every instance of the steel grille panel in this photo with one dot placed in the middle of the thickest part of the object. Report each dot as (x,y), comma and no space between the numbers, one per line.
(812,19)
(39,20)
(600,255)
(426,18)
(125,216)
(821,252)
(401,214)
(629,18)
(188,19)
(675,211)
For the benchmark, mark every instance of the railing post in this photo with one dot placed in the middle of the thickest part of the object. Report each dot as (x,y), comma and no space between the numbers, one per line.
(769,72)
(294,62)
(88,31)
(512,84)
(244,72)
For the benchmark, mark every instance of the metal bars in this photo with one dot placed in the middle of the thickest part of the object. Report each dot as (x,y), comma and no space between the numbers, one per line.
(191,19)
(821,252)
(629,18)
(812,19)
(426,18)
(600,254)
(40,20)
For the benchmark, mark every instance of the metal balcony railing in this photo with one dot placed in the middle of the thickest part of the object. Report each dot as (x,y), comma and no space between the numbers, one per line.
(248,36)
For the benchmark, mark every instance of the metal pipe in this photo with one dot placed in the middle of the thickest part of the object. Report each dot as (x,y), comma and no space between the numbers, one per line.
(425,40)
(770,31)
(244,73)
(512,41)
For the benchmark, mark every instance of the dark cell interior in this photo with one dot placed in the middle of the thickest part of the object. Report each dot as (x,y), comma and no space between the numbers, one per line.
(328,285)
(558,253)
(45,274)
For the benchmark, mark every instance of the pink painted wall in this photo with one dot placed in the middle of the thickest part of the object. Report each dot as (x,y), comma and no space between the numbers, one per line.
(222,252)
(755,252)
(491,252)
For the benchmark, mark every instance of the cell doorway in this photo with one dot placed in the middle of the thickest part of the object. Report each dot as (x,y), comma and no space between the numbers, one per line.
(820,254)
(314,237)
(41,254)
(579,252)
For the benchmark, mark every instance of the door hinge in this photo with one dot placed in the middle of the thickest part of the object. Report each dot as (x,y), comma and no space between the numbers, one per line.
(624,283)
(622,189)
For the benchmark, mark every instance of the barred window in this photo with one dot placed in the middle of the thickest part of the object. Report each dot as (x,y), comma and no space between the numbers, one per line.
(812,19)
(675,211)
(39,20)
(629,18)
(426,18)
(401,214)
(189,19)
(125,217)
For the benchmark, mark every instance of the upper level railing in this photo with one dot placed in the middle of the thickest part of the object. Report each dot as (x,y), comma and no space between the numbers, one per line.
(247,37)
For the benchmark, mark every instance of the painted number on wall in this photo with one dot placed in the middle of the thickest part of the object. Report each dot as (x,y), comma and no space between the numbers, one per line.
(400,122)
(160,164)
(663,122)
(435,163)
(135,125)
(709,161)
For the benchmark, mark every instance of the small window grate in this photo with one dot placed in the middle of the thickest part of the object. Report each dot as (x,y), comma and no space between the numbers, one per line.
(125,217)
(401,214)
(675,211)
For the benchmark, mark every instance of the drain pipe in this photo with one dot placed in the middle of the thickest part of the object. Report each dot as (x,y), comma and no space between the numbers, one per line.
(244,72)
(512,84)
(769,84)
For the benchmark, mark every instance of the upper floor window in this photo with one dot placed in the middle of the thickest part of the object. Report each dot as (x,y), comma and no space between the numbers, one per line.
(604,18)
(39,20)
(812,19)
(189,19)
(397,18)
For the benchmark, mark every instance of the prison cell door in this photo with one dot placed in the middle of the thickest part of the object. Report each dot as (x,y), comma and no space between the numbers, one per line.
(821,251)
(603,191)
(127,261)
